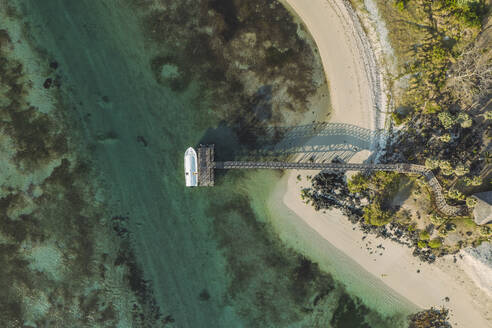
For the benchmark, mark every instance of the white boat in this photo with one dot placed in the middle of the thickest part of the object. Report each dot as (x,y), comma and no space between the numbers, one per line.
(191,168)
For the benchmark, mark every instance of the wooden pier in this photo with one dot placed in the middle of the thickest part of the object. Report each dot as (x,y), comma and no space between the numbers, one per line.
(207,164)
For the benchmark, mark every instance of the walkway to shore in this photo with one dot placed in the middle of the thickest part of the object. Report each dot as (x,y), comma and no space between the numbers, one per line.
(434,185)
(207,164)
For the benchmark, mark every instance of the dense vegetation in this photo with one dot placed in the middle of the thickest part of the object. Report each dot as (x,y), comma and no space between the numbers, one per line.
(442,94)
(406,201)
(445,72)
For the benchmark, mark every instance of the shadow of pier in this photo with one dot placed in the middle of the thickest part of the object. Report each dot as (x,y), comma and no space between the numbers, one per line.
(320,142)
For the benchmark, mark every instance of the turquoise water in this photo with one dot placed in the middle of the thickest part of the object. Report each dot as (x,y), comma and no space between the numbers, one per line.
(211,257)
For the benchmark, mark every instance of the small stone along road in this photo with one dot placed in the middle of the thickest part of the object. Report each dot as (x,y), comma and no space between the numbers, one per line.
(434,185)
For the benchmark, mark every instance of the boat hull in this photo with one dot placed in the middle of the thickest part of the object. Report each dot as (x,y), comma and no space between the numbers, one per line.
(191,167)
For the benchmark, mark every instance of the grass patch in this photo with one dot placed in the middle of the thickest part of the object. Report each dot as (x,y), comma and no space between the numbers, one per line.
(424,235)
(469,223)
(435,243)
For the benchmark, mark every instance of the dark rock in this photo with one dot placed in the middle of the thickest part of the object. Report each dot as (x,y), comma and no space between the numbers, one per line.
(142,140)
(47,83)
(204,295)
(168,319)
(119,226)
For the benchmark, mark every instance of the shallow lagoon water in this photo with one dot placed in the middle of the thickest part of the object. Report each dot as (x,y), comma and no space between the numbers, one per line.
(209,254)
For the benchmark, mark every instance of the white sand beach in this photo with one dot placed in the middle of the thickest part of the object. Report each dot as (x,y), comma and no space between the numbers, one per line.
(356,91)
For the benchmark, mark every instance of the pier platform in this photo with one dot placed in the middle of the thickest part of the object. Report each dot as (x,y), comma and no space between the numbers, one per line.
(206,165)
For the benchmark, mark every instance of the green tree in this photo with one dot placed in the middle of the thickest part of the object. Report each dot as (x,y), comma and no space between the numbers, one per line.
(455,194)
(471,202)
(424,235)
(431,163)
(385,181)
(401,4)
(445,137)
(464,120)
(357,183)
(473,181)
(446,119)
(445,167)
(485,231)
(461,170)
(437,220)
(374,215)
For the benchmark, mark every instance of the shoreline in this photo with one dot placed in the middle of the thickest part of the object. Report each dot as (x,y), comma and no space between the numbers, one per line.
(396,269)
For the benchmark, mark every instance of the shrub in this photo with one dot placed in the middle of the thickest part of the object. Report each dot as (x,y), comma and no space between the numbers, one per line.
(422,244)
(385,181)
(446,119)
(437,220)
(488,115)
(431,164)
(435,243)
(401,4)
(432,107)
(455,194)
(445,137)
(424,235)
(473,181)
(471,202)
(469,12)
(357,183)
(443,232)
(374,215)
(485,231)
(305,193)
(464,120)
(461,170)
(398,118)
(446,167)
